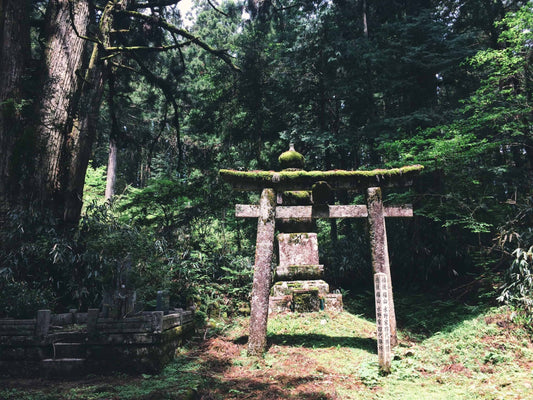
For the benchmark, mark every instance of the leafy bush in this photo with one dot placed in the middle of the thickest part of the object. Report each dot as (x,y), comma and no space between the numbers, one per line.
(518,287)
(64,267)
(19,300)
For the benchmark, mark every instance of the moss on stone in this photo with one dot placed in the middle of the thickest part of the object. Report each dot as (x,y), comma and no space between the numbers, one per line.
(296,197)
(299,179)
(291,159)
(306,300)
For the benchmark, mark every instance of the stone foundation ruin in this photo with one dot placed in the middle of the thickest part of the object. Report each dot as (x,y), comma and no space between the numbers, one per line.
(75,344)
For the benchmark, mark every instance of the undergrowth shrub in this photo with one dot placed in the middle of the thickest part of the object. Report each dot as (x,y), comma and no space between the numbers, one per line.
(517,290)
(20,300)
(45,264)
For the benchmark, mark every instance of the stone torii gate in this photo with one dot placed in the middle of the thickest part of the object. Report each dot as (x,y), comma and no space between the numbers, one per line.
(293,178)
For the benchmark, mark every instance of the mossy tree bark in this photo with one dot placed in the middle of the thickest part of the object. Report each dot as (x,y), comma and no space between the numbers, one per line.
(379,248)
(14,56)
(64,57)
(262,273)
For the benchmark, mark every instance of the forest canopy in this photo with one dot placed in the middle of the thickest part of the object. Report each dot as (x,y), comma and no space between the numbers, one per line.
(116,117)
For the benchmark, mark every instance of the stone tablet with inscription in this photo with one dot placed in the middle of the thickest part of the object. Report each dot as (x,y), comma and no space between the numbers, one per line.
(298,249)
(382,321)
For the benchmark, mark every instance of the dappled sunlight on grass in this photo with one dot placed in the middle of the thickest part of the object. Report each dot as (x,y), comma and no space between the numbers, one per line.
(480,354)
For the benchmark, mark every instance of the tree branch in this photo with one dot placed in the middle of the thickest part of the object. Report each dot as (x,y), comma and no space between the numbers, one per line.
(154,3)
(127,49)
(174,29)
(216,9)
(71,14)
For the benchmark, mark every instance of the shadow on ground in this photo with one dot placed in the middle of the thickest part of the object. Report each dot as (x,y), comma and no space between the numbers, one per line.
(323,341)
(316,341)
(418,315)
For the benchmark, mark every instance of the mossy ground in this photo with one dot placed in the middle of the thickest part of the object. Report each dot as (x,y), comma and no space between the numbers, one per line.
(446,351)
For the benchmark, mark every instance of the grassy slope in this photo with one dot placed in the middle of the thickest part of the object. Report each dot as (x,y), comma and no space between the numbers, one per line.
(448,353)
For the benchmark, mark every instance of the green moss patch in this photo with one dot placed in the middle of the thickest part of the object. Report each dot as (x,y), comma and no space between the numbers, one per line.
(304,180)
(291,159)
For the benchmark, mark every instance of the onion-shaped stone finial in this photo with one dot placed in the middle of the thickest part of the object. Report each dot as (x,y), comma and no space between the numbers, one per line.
(291,159)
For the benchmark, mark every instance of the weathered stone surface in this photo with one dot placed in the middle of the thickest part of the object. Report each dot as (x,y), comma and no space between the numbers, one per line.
(75,353)
(43,323)
(333,302)
(287,287)
(296,198)
(379,249)
(304,180)
(262,273)
(381,290)
(306,300)
(298,249)
(323,211)
(299,272)
(163,301)
(279,304)
(92,318)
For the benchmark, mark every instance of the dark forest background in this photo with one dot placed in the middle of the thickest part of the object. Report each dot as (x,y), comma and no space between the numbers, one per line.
(116,117)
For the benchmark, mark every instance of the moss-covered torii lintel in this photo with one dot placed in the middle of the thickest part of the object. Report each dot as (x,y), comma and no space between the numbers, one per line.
(304,180)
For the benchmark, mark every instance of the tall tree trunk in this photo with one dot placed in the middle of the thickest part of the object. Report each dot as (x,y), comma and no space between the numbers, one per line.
(111,170)
(82,137)
(60,95)
(113,136)
(83,134)
(14,54)
(365,22)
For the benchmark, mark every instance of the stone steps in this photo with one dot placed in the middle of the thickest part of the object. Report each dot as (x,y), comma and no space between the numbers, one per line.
(64,367)
(69,350)
(68,356)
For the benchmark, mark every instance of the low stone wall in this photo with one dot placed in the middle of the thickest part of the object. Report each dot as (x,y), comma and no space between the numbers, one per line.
(76,344)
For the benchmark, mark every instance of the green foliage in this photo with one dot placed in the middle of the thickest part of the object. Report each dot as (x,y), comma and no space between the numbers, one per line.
(446,85)
(518,287)
(62,268)
(95,182)
(19,300)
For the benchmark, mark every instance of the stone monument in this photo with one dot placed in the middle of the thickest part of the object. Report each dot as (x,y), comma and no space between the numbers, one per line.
(295,198)
(299,286)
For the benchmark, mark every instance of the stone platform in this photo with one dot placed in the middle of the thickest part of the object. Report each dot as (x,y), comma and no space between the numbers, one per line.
(299,286)
(303,296)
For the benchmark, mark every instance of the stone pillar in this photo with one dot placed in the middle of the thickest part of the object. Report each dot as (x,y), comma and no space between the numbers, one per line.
(92,319)
(379,249)
(262,273)
(381,292)
(43,323)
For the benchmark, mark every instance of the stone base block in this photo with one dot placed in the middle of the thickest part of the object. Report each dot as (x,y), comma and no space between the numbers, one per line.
(306,300)
(287,287)
(333,302)
(279,304)
(299,272)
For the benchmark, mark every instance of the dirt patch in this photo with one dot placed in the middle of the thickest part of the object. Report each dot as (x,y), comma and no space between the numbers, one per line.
(457,368)
(293,375)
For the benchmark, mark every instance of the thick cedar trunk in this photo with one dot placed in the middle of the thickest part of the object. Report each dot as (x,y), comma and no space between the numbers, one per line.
(64,58)
(83,135)
(14,54)
(262,273)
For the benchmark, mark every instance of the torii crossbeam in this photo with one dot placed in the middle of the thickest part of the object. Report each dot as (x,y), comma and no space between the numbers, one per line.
(272,183)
